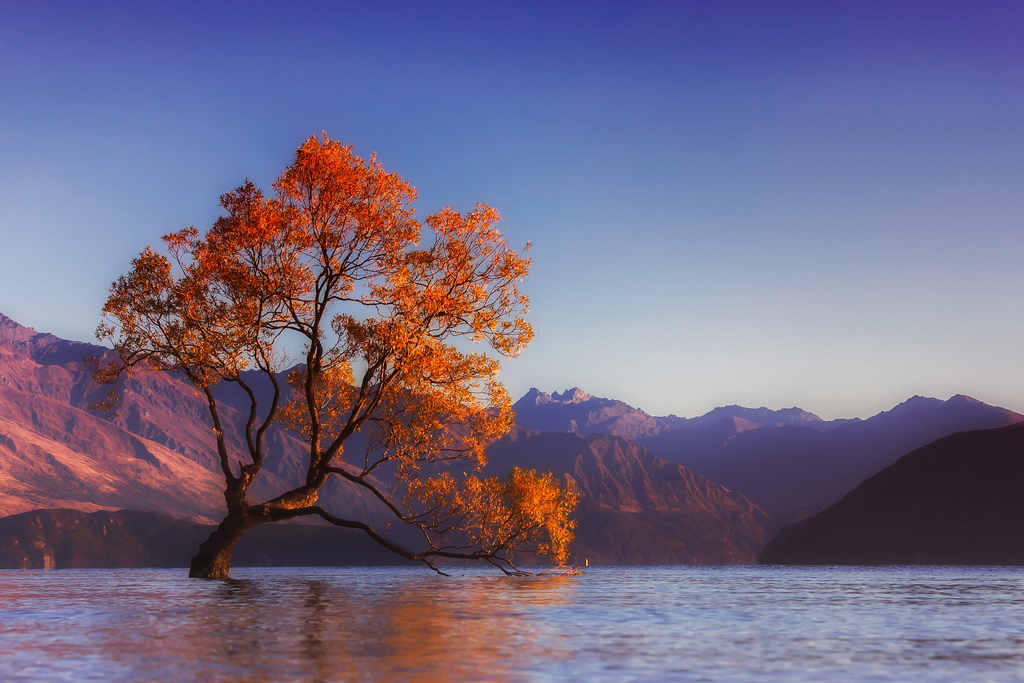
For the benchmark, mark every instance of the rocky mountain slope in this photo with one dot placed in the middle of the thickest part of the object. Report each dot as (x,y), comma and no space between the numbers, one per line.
(157,455)
(636,508)
(640,503)
(955,501)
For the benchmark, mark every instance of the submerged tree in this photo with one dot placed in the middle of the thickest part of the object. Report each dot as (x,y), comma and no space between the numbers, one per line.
(334,258)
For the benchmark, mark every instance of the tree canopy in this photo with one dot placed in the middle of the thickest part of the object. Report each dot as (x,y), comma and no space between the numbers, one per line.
(396,328)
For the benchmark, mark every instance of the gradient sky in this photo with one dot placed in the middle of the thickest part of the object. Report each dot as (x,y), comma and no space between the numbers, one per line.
(808,205)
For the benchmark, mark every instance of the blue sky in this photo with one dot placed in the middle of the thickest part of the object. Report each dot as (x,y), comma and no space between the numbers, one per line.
(806,205)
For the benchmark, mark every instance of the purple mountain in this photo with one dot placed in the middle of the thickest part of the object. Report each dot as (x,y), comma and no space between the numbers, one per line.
(954,501)
(790,462)
(158,455)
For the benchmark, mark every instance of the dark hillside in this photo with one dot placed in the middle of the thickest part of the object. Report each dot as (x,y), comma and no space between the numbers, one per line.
(959,500)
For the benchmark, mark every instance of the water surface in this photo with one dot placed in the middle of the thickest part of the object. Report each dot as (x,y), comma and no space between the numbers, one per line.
(646,623)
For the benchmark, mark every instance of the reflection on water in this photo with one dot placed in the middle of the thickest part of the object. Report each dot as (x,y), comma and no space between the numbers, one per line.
(609,623)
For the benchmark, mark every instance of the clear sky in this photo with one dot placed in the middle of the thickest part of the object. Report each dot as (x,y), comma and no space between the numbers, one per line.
(815,204)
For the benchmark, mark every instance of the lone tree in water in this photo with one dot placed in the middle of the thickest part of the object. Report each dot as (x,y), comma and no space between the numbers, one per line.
(334,258)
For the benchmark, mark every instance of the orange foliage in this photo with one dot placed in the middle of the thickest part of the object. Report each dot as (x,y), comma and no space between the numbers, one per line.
(526,509)
(336,258)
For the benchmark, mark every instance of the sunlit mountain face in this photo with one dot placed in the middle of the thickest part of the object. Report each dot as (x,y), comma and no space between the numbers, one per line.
(157,454)
(707,489)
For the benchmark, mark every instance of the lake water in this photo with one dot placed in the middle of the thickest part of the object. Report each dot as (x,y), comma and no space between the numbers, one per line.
(647,623)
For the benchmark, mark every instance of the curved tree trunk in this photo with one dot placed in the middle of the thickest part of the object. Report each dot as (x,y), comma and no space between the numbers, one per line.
(213,560)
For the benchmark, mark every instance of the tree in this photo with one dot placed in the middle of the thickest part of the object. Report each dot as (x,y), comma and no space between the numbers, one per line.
(332,263)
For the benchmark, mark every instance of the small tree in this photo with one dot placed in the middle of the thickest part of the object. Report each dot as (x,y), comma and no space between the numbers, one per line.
(333,259)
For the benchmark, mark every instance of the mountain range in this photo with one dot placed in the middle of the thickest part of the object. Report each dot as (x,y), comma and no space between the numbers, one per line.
(790,462)
(157,454)
(704,490)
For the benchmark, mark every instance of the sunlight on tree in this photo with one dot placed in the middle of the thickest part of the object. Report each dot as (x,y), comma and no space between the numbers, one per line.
(336,259)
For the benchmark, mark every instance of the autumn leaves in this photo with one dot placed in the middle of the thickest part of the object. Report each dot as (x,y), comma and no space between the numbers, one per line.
(336,259)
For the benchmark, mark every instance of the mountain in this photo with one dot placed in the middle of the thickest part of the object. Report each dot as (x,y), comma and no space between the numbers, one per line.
(157,455)
(955,501)
(794,471)
(790,462)
(636,508)
(648,484)
(578,412)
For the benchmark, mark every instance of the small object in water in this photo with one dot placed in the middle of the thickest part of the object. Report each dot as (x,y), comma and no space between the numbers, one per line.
(586,561)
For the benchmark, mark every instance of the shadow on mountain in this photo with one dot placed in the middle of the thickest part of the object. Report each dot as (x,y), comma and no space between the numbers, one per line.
(955,501)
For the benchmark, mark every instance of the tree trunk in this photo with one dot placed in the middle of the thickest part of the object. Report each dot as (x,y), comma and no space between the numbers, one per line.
(213,561)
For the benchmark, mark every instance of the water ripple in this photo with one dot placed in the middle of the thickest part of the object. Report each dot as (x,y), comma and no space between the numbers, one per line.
(647,623)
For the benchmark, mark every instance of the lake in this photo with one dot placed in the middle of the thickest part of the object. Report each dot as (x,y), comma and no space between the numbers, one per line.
(609,623)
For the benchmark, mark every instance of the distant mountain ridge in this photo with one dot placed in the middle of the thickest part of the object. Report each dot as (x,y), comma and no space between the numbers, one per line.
(790,462)
(576,411)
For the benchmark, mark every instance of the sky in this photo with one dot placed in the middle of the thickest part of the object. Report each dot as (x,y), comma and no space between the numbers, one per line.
(779,204)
